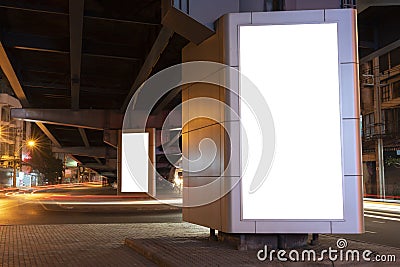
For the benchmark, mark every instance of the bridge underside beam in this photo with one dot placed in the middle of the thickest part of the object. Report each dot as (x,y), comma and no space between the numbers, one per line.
(8,70)
(95,152)
(48,134)
(85,118)
(100,167)
(97,119)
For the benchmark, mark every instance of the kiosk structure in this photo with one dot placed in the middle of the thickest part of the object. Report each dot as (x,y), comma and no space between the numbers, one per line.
(304,65)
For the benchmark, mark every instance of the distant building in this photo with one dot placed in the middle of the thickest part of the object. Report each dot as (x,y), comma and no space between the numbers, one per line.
(379,50)
(13,134)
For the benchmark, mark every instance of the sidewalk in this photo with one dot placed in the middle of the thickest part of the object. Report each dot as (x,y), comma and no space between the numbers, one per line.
(189,245)
(167,244)
(68,245)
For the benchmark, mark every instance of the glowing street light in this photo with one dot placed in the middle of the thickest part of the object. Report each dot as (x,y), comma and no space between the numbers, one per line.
(29,143)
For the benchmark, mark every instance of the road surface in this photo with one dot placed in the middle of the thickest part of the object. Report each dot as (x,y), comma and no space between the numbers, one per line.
(382,224)
(56,206)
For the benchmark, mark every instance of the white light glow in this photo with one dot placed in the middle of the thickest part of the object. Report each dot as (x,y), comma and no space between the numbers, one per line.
(295,67)
(135,173)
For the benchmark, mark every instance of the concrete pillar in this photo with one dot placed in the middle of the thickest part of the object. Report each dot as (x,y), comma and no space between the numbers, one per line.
(152,158)
(119,157)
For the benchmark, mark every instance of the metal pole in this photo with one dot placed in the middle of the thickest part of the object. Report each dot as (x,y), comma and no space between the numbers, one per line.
(381,169)
(380,164)
(14,183)
(78,173)
(15,165)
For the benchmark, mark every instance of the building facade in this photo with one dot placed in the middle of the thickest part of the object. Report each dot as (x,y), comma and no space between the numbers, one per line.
(379,50)
(14,154)
(380,83)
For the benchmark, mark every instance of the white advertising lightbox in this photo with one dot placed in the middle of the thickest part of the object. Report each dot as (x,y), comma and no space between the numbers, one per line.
(296,69)
(135,174)
(304,65)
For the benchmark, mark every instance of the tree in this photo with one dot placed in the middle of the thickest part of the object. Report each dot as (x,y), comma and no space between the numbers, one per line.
(43,160)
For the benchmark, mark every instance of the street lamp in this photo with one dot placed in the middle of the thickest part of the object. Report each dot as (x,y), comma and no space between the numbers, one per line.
(30,144)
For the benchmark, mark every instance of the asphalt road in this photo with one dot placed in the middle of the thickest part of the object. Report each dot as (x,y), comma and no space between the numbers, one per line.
(17,209)
(383,231)
(28,208)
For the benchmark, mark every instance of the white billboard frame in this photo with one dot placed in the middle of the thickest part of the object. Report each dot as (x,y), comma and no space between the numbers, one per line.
(225,214)
(135,177)
(353,217)
(295,68)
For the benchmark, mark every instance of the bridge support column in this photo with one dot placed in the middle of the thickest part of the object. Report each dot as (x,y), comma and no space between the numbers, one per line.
(231,193)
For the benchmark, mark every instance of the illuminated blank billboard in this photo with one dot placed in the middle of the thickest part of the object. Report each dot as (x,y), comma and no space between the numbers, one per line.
(134,165)
(296,69)
(292,162)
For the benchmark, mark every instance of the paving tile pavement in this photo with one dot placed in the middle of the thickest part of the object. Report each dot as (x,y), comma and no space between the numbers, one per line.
(68,245)
(83,244)
(183,248)
(165,244)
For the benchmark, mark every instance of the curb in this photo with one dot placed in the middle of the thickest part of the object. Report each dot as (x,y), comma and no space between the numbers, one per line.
(148,253)
(110,208)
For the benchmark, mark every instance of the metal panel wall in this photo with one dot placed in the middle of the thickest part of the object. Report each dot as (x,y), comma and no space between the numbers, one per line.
(225,213)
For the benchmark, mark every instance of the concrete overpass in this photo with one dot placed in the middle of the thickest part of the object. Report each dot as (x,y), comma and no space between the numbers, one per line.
(74,65)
